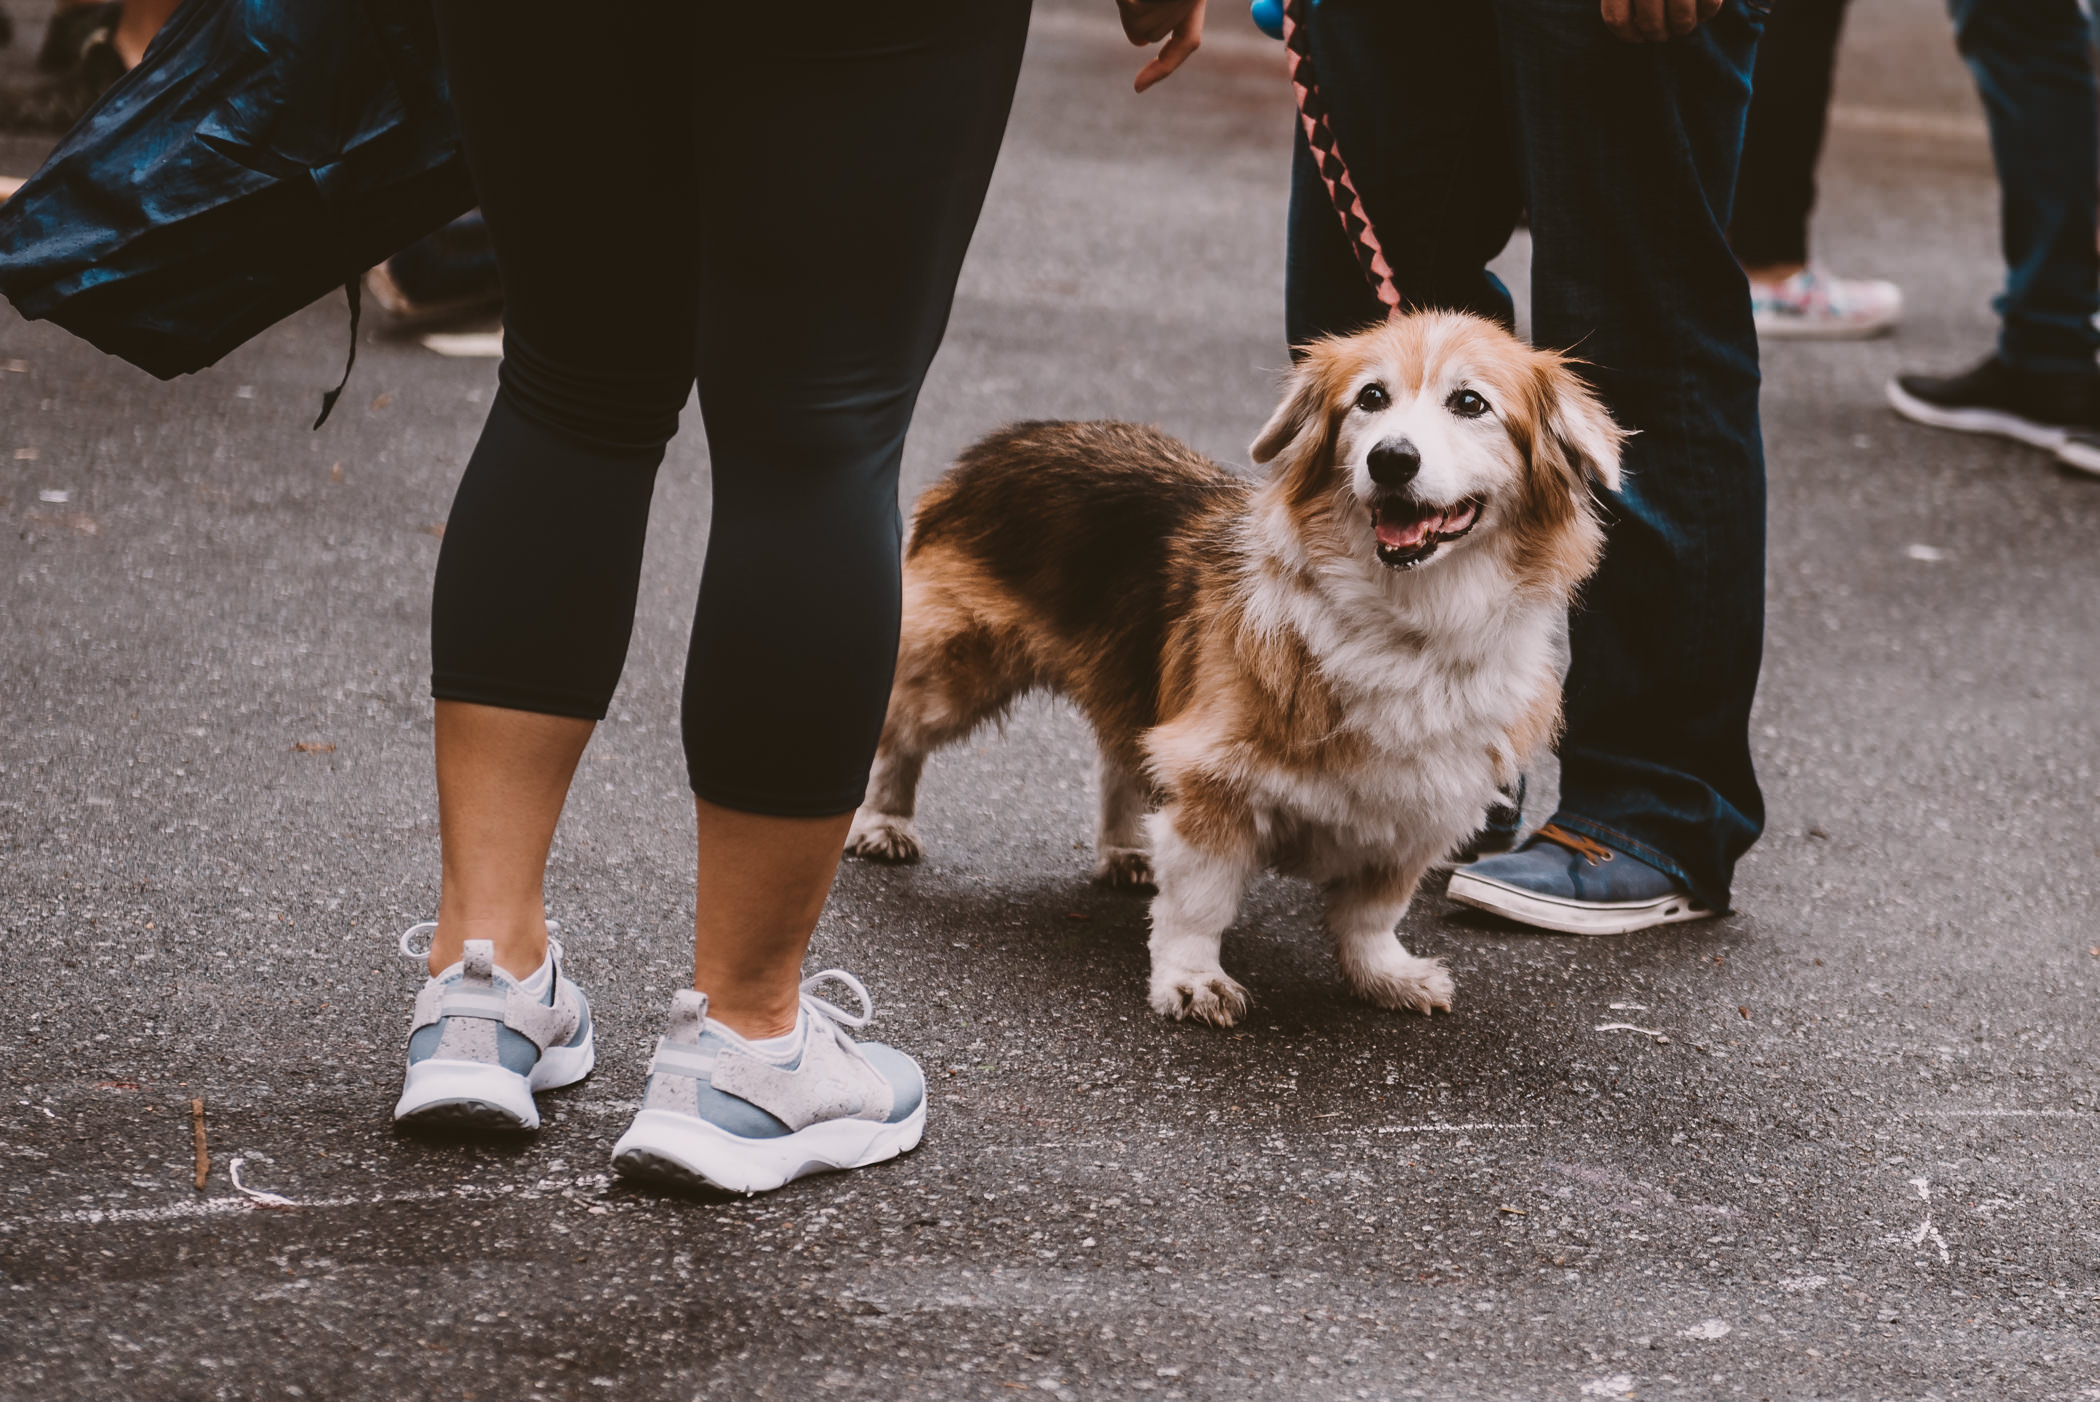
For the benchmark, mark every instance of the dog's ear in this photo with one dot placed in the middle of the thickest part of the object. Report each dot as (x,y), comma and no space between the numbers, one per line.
(1576,428)
(1301,420)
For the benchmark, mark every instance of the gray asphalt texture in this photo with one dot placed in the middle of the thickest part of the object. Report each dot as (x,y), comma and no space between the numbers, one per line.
(1862,1166)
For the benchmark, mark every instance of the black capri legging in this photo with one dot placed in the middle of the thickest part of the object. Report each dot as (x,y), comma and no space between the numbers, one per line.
(774,200)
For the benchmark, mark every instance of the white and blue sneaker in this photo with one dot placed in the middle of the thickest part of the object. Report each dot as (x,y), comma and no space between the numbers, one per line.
(1561,880)
(722,1111)
(482,1041)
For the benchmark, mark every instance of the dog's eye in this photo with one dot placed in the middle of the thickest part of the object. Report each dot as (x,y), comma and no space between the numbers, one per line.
(1372,398)
(1466,404)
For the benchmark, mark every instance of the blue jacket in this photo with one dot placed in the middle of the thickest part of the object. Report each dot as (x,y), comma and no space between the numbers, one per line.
(264,153)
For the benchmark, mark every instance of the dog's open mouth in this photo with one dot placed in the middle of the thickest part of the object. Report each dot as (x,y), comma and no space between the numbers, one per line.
(1410,531)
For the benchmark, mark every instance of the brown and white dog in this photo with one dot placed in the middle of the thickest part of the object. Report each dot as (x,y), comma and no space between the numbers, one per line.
(1330,672)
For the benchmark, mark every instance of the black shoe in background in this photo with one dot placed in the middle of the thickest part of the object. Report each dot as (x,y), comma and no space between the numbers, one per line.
(2041,409)
(55,104)
(70,29)
(446,274)
(1498,831)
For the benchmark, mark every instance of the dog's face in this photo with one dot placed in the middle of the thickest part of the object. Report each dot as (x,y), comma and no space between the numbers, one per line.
(1417,439)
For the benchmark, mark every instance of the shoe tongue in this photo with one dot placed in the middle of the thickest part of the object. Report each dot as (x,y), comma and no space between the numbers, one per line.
(688,1015)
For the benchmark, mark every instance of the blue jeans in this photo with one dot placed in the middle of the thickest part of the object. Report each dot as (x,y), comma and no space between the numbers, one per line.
(1452,117)
(2032,61)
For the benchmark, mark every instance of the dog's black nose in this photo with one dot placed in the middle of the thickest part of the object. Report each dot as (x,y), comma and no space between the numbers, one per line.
(1394,463)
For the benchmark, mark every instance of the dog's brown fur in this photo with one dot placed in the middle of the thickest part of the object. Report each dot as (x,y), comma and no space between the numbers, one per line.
(1243,657)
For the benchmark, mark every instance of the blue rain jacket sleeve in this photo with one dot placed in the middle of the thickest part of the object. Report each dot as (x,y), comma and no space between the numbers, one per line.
(264,153)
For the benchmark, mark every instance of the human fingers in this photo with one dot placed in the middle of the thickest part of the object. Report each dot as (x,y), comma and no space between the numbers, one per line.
(1185,42)
(1149,21)
(1640,21)
(1186,39)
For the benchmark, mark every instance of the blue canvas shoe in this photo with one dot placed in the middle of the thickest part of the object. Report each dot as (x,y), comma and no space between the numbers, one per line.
(1561,880)
(482,1042)
(721,1111)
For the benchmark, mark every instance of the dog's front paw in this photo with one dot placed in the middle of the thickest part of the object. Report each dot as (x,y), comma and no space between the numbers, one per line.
(1405,983)
(1207,995)
(883,837)
(1126,868)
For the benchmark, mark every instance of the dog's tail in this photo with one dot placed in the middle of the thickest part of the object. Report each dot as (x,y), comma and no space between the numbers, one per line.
(1080,490)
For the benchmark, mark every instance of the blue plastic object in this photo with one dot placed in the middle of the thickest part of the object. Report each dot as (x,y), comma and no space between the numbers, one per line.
(1268,17)
(264,153)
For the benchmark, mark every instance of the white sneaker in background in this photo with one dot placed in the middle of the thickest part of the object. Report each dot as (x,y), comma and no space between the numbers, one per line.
(1814,306)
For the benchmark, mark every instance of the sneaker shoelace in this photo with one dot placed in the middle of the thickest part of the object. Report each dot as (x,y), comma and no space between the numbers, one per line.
(831,1012)
(1590,851)
(410,935)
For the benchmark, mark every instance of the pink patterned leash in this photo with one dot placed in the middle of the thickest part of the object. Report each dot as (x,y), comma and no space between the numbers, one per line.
(1312,111)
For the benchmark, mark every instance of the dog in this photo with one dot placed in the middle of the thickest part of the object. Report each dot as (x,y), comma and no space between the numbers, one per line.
(1331,671)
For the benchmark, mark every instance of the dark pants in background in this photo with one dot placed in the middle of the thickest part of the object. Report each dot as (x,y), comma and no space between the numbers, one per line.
(1451,118)
(782,221)
(1775,191)
(2033,65)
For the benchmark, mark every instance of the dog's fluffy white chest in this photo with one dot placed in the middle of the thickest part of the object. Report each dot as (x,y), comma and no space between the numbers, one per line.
(1429,697)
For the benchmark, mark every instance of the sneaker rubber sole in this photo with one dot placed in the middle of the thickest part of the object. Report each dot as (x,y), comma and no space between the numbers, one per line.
(1996,422)
(667,1147)
(2079,452)
(474,1095)
(1783,328)
(1571,917)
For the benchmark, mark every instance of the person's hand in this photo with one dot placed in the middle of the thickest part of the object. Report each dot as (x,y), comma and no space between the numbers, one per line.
(1646,21)
(1179,22)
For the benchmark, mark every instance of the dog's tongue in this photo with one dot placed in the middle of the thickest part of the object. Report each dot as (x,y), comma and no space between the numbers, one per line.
(1404,535)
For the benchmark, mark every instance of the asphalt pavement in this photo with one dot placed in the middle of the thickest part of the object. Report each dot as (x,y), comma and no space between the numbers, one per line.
(1862,1166)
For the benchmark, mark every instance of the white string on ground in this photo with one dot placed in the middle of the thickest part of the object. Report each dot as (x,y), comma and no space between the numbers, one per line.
(255,1195)
(1926,1231)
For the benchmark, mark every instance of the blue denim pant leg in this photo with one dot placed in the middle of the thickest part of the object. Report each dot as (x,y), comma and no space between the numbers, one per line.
(1448,114)
(1413,92)
(2032,61)
(1629,154)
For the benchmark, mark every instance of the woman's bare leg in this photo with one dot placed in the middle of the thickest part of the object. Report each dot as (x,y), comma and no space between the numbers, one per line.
(502,776)
(763,881)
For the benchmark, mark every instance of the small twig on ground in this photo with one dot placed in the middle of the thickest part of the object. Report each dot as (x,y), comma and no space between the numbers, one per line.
(1661,1037)
(197,1129)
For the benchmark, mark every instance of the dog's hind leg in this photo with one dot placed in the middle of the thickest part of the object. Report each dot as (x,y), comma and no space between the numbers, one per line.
(1199,895)
(1120,858)
(1363,911)
(952,676)
(882,830)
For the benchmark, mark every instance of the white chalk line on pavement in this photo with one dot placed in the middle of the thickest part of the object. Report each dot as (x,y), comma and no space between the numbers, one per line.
(2010,1114)
(236,1206)
(180,1211)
